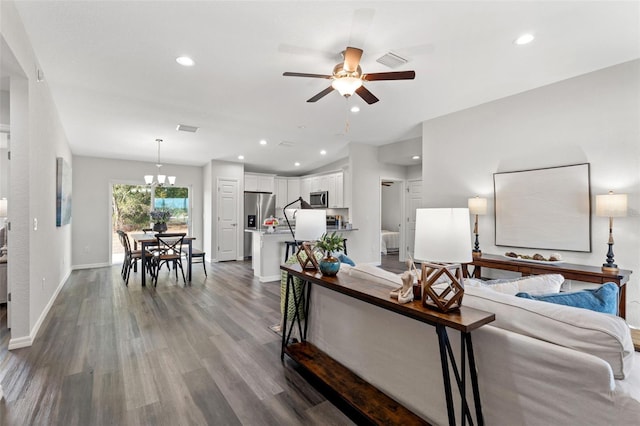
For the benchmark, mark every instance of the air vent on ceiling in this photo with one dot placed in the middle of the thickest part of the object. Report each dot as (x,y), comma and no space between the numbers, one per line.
(287,144)
(185,128)
(391,60)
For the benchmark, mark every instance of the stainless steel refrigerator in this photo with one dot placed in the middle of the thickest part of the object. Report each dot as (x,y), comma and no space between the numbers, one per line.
(257,207)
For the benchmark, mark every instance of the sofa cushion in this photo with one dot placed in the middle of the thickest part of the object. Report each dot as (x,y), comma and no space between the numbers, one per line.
(373,273)
(603,299)
(605,336)
(533,284)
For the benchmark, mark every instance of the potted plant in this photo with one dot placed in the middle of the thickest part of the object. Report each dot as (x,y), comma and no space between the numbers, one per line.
(330,243)
(159,219)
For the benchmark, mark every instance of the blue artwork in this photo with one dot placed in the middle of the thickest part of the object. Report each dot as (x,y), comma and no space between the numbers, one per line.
(63,192)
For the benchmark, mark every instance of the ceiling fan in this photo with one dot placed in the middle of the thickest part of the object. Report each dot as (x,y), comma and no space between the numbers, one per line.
(347,77)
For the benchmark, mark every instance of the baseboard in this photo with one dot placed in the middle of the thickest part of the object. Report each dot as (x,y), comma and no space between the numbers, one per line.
(90,266)
(270,278)
(26,341)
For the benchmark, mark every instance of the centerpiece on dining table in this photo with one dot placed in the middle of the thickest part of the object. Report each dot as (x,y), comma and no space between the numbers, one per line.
(159,219)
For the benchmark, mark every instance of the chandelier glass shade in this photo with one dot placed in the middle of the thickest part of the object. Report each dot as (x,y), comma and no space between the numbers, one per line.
(159,179)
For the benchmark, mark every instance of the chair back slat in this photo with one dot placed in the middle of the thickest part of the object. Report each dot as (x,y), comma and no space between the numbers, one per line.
(170,243)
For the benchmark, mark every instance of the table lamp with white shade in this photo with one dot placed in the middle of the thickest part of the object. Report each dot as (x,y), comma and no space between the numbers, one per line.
(310,225)
(442,244)
(477,207)
(611,205)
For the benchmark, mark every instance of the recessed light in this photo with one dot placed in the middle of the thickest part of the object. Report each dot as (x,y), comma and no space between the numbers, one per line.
(240,157)
(323,152)
(296,164)
(355,109)
(185,61)
(524,39)
(263,142)
(415,157)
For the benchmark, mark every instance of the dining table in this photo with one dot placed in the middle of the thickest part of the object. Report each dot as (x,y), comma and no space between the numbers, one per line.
(149,240)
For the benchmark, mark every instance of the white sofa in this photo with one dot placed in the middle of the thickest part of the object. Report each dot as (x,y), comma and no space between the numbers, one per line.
(538,363)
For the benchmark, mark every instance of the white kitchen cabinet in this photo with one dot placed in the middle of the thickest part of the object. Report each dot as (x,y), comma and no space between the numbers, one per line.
(250,182)
(281,192)
(259,182)
(266,183)
(293,189)
(333,183)
(305,188)
(339,191)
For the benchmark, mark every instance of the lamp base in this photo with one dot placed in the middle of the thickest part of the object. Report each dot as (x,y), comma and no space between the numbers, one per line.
(442,286)
(476,253)
(308,261)
(610,268)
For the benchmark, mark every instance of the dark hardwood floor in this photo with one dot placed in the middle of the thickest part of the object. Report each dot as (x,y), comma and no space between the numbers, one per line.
(108,354)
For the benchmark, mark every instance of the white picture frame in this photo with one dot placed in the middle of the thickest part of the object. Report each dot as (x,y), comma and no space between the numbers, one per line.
(546,208)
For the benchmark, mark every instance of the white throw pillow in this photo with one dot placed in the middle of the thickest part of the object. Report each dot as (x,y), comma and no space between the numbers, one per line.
(602,335)
(533,284)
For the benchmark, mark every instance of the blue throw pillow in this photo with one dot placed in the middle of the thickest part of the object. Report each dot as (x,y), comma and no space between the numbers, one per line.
(345,259)
(604,299)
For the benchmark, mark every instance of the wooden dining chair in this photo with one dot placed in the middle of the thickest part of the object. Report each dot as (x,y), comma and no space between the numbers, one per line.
(197,256)
(131,257)
(168,251)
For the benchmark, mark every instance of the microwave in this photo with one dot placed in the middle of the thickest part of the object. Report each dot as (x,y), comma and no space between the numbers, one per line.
(319,200)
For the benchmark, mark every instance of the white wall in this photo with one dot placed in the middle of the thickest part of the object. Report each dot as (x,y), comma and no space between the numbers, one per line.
(414,172)
(91,210)
(39,260)
(366,173)
(592,118)
(4,124)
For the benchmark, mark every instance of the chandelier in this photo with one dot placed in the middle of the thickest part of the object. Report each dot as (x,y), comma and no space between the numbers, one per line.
(159,179)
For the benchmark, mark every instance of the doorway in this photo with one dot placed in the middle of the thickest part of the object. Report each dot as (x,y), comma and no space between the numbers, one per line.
(131,206)
(391,218)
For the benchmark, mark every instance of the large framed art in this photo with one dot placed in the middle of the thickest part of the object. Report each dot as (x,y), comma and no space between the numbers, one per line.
(547,208)
(63,192)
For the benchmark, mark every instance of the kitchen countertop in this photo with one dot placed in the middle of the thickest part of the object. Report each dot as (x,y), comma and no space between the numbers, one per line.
(280,230)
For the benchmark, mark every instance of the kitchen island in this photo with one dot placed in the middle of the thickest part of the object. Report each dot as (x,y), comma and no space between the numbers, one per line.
(268,250)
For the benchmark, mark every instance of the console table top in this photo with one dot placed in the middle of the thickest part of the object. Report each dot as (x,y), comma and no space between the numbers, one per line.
(581,272)
(465,319)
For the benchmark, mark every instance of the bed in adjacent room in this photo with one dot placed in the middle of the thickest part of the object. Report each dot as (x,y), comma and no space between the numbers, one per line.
(389,241)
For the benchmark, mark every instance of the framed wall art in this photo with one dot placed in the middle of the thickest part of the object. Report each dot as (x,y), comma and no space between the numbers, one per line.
(548,208)
(63,192)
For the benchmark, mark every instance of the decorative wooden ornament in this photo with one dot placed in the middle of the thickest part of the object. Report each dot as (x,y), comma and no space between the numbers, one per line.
(442,286)
(309,250)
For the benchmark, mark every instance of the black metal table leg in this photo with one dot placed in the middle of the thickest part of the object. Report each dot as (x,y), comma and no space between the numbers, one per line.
(299,302)
(283,329)
(474,380)
(442,343)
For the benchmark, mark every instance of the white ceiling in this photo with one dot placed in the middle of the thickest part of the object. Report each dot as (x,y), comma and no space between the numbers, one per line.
(111,67)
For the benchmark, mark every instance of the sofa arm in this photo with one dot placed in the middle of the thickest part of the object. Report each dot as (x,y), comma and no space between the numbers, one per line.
(530,381)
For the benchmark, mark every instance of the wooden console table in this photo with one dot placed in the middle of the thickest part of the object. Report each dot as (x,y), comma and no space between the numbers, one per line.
(570,271)
(377,407)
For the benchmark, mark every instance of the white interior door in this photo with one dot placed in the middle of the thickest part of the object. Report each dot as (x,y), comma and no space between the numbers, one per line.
(227,219)
(414,201)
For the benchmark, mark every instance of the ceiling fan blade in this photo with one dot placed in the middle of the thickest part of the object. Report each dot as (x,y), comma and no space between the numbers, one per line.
(365,94)
(352,57)
(393,75)
(321,95)
(302,74)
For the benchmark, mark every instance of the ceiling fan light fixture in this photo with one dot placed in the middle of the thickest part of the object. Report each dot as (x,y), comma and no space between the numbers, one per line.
(346,86)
